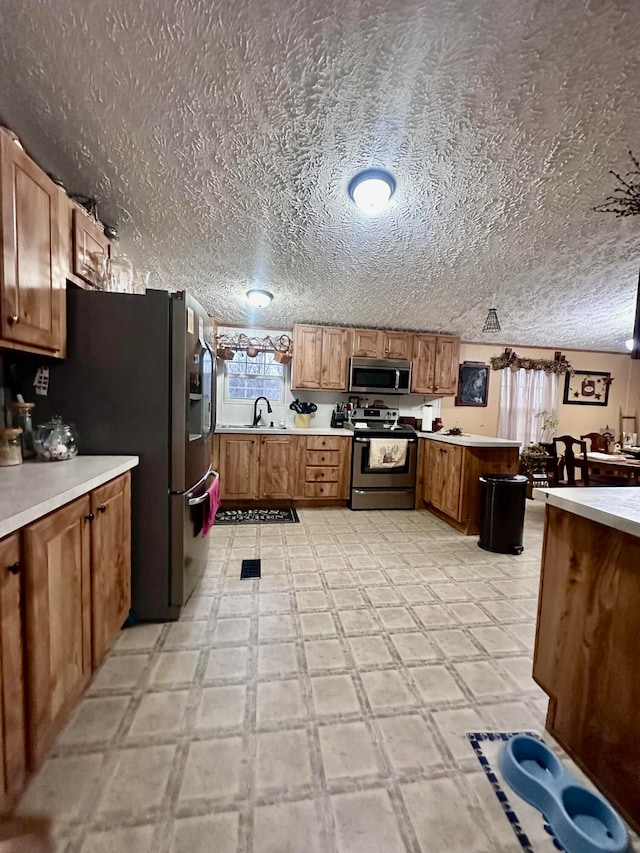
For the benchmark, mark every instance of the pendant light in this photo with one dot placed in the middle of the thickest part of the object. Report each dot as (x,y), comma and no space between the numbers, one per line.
(491,324)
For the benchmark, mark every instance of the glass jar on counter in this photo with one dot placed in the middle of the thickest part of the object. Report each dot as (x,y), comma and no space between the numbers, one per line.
(55,441)
(19,416)
(10,447)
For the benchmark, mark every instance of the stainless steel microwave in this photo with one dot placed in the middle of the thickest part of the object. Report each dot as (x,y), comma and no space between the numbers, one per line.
(381,375)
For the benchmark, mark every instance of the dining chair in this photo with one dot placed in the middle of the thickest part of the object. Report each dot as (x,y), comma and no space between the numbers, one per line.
(600,441)
(565,460)
(590,474)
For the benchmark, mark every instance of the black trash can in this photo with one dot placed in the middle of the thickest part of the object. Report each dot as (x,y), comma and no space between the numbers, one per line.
(502,501)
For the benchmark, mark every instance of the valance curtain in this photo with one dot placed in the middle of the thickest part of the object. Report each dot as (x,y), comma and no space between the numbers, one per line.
(523,394)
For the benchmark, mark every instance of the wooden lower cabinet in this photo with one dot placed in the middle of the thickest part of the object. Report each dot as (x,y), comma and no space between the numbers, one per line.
(278,469)
(64,594)
(13,758)
(254,466)
(239,460)
(451,484)
(110,563)
(443,477)
(326,461)
(58,619)
(284,467)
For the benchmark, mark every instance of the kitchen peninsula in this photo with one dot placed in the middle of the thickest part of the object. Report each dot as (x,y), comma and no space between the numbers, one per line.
(586,650)
(449,469)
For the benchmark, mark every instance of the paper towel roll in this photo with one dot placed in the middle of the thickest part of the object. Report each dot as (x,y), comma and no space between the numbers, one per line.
(427,418)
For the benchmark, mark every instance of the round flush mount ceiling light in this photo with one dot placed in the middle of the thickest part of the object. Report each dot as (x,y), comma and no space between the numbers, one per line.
(259,298)
(629,344)
(371,190)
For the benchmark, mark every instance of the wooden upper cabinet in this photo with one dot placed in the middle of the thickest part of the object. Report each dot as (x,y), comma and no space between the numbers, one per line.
(367,343)
(435,364)
(307,357)
(320,358)
(397,345)
(424,359)
(57,595)
(335,359)
(446,366)
(90,247)
(32,284)
(373,343)
(110,563)
(12,681)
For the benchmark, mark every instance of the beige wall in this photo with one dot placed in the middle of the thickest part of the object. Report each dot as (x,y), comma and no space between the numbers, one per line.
(624,392)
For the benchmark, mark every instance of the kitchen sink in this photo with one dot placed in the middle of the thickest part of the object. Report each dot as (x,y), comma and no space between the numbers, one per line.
(251,426)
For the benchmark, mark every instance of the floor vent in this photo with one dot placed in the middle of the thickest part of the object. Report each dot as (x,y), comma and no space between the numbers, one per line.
(250,569)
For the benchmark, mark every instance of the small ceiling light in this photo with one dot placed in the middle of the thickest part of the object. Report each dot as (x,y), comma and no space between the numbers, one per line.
(629,344)
(371,190)
(491,324)
(259,298)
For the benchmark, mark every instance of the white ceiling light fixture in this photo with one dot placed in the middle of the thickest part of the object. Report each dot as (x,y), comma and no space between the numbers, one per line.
(371,190)
(258,297)
(629,344)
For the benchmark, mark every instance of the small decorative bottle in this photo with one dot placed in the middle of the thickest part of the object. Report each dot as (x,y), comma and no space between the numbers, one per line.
(19,416)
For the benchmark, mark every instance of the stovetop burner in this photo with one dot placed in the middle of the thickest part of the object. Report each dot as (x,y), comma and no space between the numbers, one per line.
(379,423)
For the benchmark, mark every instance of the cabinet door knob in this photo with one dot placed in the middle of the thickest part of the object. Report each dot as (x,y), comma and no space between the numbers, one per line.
(13,319)
(90,517)
(14,568)
(102,508)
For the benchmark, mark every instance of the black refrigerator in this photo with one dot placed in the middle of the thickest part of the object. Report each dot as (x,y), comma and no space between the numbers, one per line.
(139,378)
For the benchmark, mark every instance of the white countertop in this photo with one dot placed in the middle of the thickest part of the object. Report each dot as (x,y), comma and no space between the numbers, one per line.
(225,430)
(467,440)
(34,489)
(618,508)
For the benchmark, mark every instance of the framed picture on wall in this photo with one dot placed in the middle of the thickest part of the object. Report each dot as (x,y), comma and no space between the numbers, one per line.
(586,388)
(473,384)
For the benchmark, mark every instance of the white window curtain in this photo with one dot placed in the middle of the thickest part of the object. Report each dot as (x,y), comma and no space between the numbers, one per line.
(523,394)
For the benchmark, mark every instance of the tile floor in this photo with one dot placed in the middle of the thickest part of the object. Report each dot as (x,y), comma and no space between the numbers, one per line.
(321,709)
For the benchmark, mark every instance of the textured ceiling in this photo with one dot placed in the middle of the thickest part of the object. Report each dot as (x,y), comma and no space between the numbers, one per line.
(221,137)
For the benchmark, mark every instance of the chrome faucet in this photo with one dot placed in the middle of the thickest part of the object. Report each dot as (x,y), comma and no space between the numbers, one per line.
(258,415)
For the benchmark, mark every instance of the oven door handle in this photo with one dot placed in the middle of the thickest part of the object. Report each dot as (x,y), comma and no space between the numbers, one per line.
(367,440)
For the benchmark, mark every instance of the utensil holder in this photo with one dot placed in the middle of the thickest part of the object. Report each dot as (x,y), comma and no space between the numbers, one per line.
(302,421)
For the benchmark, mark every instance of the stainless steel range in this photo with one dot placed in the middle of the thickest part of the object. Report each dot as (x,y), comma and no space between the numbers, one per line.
(384,461)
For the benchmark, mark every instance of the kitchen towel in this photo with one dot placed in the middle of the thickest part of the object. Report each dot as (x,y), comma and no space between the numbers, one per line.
(387,453)
(211,506)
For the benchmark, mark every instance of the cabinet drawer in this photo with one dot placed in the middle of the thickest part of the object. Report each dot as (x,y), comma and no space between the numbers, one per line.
(324,442)
(314,474)
(321,490)
(322,457)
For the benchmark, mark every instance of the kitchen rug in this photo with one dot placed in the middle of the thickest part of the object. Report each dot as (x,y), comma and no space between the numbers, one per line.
(257,516)
(529,826)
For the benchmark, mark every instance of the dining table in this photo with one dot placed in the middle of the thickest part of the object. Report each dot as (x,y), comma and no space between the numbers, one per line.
(615,463)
